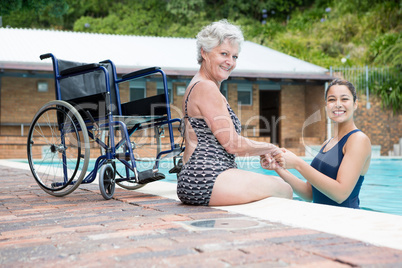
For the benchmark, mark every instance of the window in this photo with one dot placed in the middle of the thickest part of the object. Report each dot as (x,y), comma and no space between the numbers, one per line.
(244,94)
(137,89)
(180,90)
(42,86)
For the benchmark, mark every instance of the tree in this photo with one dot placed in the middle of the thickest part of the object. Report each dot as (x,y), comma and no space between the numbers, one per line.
(57,7)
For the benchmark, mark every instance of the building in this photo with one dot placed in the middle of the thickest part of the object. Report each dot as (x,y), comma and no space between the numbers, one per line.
(277,97)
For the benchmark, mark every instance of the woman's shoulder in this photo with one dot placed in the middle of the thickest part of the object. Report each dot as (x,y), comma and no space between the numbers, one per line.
(359,141)
(205,89)
(360,136)
(206,85)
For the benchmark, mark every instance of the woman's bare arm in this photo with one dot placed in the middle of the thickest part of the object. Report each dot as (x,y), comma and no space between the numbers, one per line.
(211,106)
(357,153)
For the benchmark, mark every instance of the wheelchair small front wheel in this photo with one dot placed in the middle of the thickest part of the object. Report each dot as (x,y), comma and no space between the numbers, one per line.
(107,181)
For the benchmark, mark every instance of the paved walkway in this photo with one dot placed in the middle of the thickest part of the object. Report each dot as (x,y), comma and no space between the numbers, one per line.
(142,230)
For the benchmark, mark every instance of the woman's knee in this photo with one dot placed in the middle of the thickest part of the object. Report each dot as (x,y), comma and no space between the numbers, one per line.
(286,191)
(279,188)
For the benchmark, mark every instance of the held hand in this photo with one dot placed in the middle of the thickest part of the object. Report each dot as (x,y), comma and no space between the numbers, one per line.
(274,151)
(290,159)
(270,163)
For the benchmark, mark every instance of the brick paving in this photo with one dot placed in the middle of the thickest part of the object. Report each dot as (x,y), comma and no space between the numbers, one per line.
(142,230)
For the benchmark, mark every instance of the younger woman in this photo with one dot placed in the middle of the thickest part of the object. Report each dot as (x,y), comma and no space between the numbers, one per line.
(337,172)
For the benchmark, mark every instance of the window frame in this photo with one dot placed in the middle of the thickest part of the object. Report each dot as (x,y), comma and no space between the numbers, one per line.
(245,87)
(137,84)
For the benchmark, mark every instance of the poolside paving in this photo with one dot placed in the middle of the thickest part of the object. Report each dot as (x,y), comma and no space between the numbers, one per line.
(136,229)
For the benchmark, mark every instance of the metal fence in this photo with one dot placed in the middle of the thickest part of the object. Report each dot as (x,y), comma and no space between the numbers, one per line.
(364,78)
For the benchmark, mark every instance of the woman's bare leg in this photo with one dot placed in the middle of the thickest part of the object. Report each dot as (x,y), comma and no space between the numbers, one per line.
(236,186)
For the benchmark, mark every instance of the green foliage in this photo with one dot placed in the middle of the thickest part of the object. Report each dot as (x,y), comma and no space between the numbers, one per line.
(253,9)
(386,49)
(384,82)
(390,92)
(306,19)
(185,9)
(323,32)
(8,6)
(359,7)
(151,18)
(55,8)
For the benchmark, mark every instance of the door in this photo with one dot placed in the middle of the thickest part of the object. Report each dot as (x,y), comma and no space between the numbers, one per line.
(269,114)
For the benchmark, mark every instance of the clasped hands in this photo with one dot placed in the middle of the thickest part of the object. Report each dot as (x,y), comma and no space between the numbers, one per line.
(279,159)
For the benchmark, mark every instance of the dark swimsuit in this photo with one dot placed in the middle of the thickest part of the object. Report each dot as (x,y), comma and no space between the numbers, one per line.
(328,163)
(209,159)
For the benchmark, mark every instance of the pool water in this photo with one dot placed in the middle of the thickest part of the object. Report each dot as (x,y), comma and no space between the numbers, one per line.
(381,190)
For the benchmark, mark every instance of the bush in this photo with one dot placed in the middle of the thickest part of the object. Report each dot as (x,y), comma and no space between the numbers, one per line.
(386,50)
(391,94)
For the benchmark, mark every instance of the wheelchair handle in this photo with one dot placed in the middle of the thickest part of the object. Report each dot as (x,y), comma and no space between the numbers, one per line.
(45,56)
(140,72)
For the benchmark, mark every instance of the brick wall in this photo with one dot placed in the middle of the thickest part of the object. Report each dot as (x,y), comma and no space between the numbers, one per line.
(315,121)
(292,112)
(381,126)
(20,100)
(303,117)
(124,91)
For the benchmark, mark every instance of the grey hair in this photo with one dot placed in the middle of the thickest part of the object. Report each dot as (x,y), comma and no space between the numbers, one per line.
(215,34)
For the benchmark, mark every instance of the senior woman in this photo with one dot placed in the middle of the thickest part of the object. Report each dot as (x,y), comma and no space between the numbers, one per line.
(209,175)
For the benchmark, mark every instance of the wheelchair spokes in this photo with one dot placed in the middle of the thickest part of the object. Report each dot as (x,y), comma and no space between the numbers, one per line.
(56,148)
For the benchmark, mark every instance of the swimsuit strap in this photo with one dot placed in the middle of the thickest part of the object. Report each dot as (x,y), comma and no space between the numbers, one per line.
(346,137)
(342,141)
(185,103)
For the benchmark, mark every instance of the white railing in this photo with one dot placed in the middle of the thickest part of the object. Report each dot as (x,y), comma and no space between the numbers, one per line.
(365,77)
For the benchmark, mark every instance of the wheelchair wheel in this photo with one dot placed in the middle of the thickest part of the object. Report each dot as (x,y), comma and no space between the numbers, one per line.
(58,148)
(143,142)
(145,145)
(121,171)
(106,181)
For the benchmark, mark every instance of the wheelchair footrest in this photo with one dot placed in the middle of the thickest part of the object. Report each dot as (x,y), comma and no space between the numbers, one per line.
(177,167)
(148,176)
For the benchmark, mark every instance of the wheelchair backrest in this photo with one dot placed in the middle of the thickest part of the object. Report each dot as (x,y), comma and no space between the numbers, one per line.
(89,90)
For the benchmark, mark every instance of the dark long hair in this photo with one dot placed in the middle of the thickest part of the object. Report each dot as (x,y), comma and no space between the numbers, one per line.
(342,82)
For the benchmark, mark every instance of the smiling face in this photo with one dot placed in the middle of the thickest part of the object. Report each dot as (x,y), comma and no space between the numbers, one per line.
(339,104)
(220,61)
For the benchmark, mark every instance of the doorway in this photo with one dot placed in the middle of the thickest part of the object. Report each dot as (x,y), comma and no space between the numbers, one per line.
(269,114)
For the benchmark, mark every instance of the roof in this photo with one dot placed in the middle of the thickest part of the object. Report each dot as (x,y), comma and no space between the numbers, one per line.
(20,49)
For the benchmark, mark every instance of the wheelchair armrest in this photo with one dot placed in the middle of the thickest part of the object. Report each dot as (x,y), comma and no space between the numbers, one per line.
(140,72)
(81,68)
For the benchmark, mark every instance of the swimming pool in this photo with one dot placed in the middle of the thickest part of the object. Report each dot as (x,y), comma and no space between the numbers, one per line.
(381,190)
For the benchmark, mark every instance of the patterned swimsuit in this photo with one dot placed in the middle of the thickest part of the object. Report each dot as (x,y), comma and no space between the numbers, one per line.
(209,159)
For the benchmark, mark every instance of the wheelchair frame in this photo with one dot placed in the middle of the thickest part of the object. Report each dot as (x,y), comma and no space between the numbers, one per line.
(71,126)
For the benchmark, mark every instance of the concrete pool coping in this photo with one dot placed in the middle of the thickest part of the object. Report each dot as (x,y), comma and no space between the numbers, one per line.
(376,228)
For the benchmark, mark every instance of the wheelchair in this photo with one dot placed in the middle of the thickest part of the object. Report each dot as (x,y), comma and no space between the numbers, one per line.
(88,110)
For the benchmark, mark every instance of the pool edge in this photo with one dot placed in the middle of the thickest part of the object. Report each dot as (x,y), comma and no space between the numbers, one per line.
(380,229)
